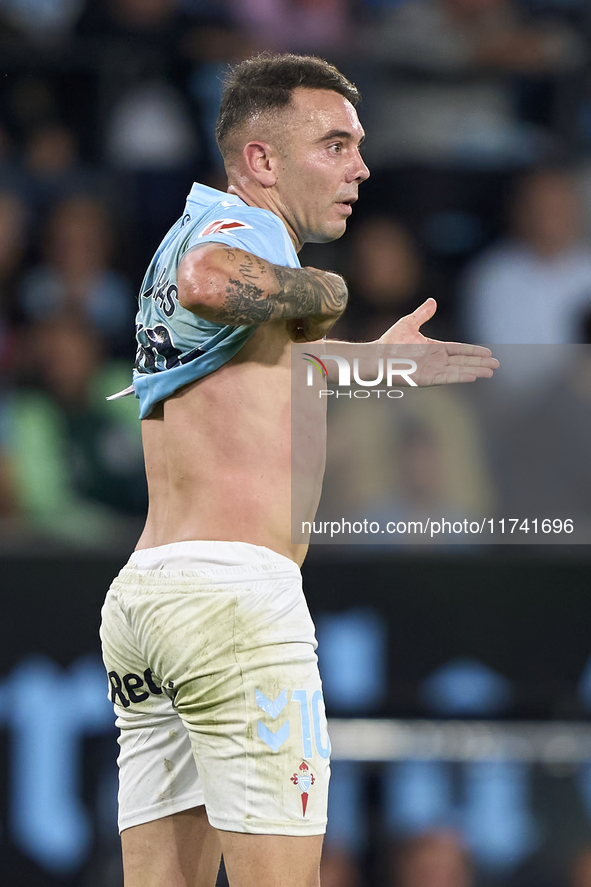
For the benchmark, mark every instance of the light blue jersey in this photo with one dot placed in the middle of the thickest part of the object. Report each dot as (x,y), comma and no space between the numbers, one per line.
(175,346)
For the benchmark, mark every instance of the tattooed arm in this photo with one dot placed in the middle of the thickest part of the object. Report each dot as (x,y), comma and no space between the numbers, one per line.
(229,285)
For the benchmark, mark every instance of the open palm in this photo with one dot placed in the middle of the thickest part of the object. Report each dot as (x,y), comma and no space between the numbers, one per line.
(439,363)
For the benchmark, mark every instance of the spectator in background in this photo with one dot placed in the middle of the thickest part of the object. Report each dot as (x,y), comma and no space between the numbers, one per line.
(76,276)
(421,461)
(154,149)
(580,872)
(386,279)
(10,176)
(141,19)
(13,220)
(551,425)
(458,110)
(52,169)
(536,286)
(8,501)
(40,21)
(441,35)
(13,230)
(312,26)
(150,139)
(432,859)
(150,129)
(423,458)
(76,460)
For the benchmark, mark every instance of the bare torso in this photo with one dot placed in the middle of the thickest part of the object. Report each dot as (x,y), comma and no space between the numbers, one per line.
(218,454)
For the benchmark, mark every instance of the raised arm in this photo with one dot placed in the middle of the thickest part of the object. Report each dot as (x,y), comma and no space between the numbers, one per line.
(229,285)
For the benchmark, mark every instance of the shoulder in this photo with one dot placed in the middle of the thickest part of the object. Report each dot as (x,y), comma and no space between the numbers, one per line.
(250,228)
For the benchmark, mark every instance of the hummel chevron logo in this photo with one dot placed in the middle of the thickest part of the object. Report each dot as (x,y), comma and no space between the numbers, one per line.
(272,707)
(273,740)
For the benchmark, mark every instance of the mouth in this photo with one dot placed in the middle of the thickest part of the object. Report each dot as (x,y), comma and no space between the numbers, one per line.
(346,206)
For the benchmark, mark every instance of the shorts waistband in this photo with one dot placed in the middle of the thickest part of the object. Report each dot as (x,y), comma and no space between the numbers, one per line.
(198,555)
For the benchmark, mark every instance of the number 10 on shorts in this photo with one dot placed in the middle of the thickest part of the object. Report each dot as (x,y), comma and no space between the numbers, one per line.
(312,721)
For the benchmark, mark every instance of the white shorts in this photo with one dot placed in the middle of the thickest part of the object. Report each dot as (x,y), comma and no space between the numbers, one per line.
(210,652)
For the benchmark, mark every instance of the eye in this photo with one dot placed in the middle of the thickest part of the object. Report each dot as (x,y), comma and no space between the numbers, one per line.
(336,148)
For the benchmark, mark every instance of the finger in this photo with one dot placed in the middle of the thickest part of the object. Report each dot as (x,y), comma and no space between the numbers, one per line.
(455,376)
(472,361)
(479,372)
(424,312)
(468,350)
(476,373)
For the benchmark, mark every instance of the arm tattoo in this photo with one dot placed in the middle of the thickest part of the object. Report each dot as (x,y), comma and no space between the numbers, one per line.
(313,292)
(299,292)
(245,304)
(252,267)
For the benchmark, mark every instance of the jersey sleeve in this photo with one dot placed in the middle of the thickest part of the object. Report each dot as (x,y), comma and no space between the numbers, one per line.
(254,230)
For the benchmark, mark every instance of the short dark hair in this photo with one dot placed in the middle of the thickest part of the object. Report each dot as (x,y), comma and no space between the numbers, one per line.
(266,82)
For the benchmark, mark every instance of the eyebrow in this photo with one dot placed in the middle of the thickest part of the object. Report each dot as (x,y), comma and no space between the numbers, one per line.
(340,134)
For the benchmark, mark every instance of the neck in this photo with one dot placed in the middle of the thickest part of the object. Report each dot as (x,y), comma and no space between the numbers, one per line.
(265,198)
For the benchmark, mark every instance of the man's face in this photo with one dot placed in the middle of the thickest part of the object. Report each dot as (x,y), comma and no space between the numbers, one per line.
(321,167)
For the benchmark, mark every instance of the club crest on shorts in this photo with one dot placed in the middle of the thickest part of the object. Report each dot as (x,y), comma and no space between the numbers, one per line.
(304,779)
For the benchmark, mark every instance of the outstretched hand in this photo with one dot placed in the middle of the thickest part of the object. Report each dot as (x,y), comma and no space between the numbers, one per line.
(439,363)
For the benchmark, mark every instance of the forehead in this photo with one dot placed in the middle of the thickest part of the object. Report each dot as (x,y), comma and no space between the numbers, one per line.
(317,112)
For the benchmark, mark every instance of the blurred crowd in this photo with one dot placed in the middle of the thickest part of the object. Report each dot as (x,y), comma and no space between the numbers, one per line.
(478,121)
(433,858)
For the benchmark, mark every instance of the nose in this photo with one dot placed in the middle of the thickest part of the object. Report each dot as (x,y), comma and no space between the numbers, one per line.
(358,171)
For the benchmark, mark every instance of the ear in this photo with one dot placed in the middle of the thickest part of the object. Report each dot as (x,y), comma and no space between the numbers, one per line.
(261,161)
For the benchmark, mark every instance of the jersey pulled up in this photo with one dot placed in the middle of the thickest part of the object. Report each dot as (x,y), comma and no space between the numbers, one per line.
(175,346)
